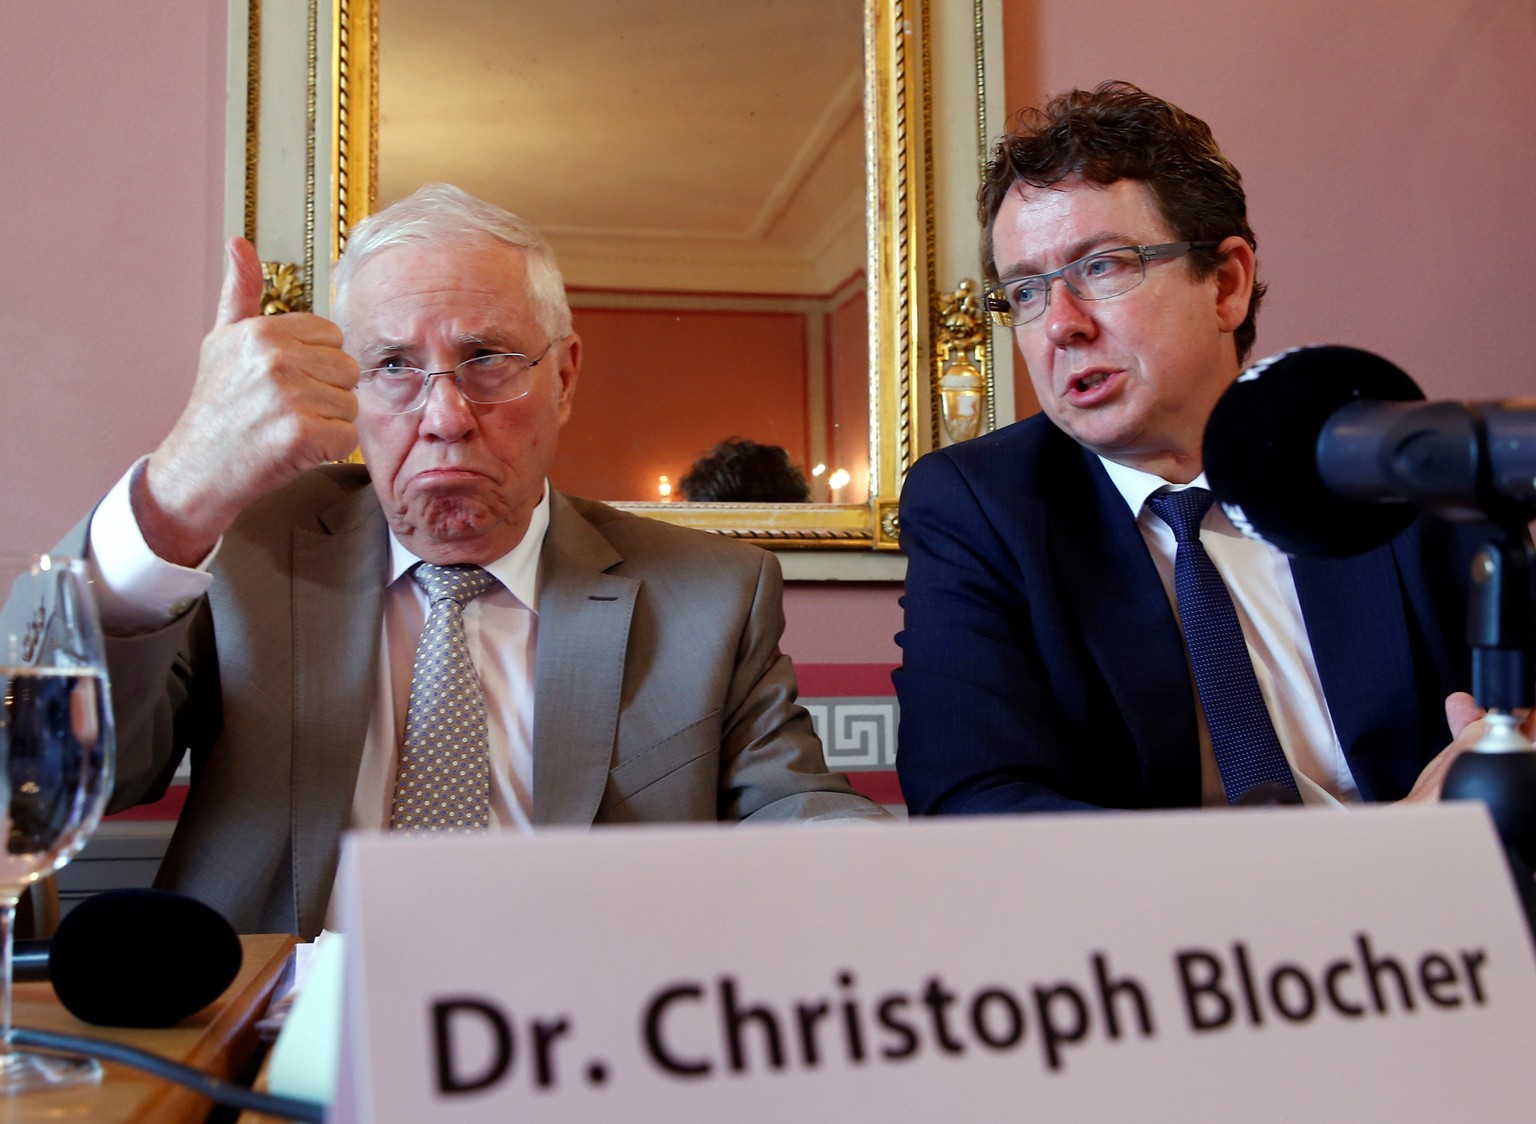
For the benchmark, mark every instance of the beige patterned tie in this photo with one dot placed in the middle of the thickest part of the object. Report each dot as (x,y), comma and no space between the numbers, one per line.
(444,779)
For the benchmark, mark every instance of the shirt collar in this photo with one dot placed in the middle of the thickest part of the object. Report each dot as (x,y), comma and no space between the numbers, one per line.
(517,570)
(1135,486)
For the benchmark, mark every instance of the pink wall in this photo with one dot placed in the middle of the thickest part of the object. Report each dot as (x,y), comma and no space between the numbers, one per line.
(111,205)
(1386,147)
(842,622)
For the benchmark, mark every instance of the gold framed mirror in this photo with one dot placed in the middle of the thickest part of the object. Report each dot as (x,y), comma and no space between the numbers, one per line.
(891,97)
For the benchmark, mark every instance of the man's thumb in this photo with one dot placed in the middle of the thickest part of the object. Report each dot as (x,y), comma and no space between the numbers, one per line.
(240,297)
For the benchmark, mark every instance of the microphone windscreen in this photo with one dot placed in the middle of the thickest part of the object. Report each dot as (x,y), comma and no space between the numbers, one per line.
(142,958)
(1261,451)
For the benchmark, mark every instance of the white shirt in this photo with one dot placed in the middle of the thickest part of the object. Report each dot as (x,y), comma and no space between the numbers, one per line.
(1264,594)
(138,591)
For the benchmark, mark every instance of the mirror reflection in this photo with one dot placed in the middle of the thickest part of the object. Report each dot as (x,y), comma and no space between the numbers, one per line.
(699,170)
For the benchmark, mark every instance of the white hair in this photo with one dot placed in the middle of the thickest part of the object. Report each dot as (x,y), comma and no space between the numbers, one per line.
(441,212)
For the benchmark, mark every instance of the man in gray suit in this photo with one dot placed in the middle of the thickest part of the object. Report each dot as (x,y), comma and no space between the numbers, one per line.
(266,621)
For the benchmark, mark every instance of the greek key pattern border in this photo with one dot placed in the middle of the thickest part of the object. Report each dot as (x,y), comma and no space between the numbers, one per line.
(857,733)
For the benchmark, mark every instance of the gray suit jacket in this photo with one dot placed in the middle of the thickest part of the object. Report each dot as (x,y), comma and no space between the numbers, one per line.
(661,693)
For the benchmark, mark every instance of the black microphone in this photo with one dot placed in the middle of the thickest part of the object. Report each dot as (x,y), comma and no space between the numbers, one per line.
(137,957)
(1330,451)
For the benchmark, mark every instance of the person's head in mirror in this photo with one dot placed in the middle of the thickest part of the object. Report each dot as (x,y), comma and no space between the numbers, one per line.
(1117,246)
(456,313)
(739,470)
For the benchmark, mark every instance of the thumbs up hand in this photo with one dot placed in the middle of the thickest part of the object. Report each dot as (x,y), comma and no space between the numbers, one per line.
(273,397)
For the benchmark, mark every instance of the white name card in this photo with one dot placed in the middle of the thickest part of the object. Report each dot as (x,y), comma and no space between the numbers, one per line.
(1248,965)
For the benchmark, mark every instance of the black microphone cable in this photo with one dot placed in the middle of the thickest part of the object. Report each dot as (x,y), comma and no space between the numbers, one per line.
(214,1088)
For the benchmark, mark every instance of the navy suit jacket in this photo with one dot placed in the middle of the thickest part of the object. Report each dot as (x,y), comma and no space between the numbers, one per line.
(1043,668)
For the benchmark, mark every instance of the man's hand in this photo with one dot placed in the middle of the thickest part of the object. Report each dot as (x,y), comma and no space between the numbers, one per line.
(273,398)
(1465,718)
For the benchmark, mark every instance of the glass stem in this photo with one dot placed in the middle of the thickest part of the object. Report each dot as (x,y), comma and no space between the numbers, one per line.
(8,900)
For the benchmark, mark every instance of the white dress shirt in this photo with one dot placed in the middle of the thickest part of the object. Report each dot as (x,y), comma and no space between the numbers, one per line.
(1264,594)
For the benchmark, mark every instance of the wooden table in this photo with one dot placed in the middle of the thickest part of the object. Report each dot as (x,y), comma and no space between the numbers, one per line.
(218,1040)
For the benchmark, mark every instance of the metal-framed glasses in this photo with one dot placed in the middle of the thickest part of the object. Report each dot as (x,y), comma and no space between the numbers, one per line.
(1095,277)
(483,380)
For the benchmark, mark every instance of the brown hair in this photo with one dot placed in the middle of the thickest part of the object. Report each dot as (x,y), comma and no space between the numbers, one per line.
(1118,131)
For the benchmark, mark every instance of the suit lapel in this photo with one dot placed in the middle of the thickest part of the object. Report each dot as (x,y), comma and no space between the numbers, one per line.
(1127,624)
(584,621)
(1358,628)
(338,586)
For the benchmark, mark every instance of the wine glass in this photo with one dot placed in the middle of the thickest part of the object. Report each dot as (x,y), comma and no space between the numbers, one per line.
(57,749)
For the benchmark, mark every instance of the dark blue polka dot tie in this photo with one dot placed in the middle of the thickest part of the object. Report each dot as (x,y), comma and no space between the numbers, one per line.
(1247,751)
(443,782)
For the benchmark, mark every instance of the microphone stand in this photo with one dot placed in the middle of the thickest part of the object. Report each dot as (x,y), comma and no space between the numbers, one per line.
(1500,769)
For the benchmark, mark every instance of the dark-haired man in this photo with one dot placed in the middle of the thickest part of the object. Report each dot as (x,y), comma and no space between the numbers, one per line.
(739,470)
(1043,662)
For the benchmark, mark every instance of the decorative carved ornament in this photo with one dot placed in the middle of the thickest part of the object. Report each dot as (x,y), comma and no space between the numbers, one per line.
(960,358)
(283,288)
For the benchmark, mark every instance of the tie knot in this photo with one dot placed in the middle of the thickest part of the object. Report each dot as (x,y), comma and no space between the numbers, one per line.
(460,584)
(1182,510)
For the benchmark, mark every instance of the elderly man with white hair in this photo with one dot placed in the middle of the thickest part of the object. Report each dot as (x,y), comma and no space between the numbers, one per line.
(436,639)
